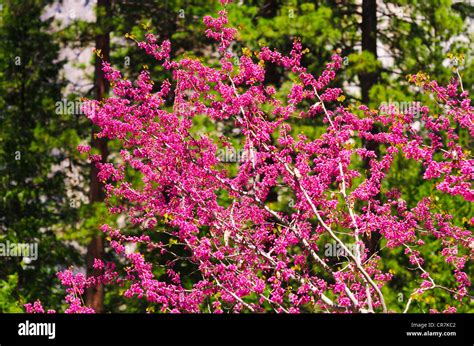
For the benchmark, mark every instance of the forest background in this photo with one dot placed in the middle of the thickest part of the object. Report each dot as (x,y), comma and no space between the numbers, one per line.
(50,195)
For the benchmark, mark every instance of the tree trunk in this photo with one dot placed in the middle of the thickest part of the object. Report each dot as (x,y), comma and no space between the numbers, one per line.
(269,9)
(367,81)
(369,43)
(95,295)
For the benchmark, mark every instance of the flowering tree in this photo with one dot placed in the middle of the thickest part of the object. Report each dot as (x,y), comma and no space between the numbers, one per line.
(251,256)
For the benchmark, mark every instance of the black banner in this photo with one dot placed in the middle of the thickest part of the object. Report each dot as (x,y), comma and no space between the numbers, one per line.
(308,329)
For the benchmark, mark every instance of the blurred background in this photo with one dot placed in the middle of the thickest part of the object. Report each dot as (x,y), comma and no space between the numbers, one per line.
(49,194)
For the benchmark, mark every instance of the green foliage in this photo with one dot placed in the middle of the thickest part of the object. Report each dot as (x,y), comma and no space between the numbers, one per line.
(32,193)
(9,300)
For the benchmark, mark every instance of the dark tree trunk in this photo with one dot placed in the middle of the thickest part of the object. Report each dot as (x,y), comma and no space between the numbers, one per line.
(269,9)
(95,295)
(367,81)
(369,43)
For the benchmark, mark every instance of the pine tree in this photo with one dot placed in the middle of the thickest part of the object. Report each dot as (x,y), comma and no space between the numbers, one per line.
(33,203)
